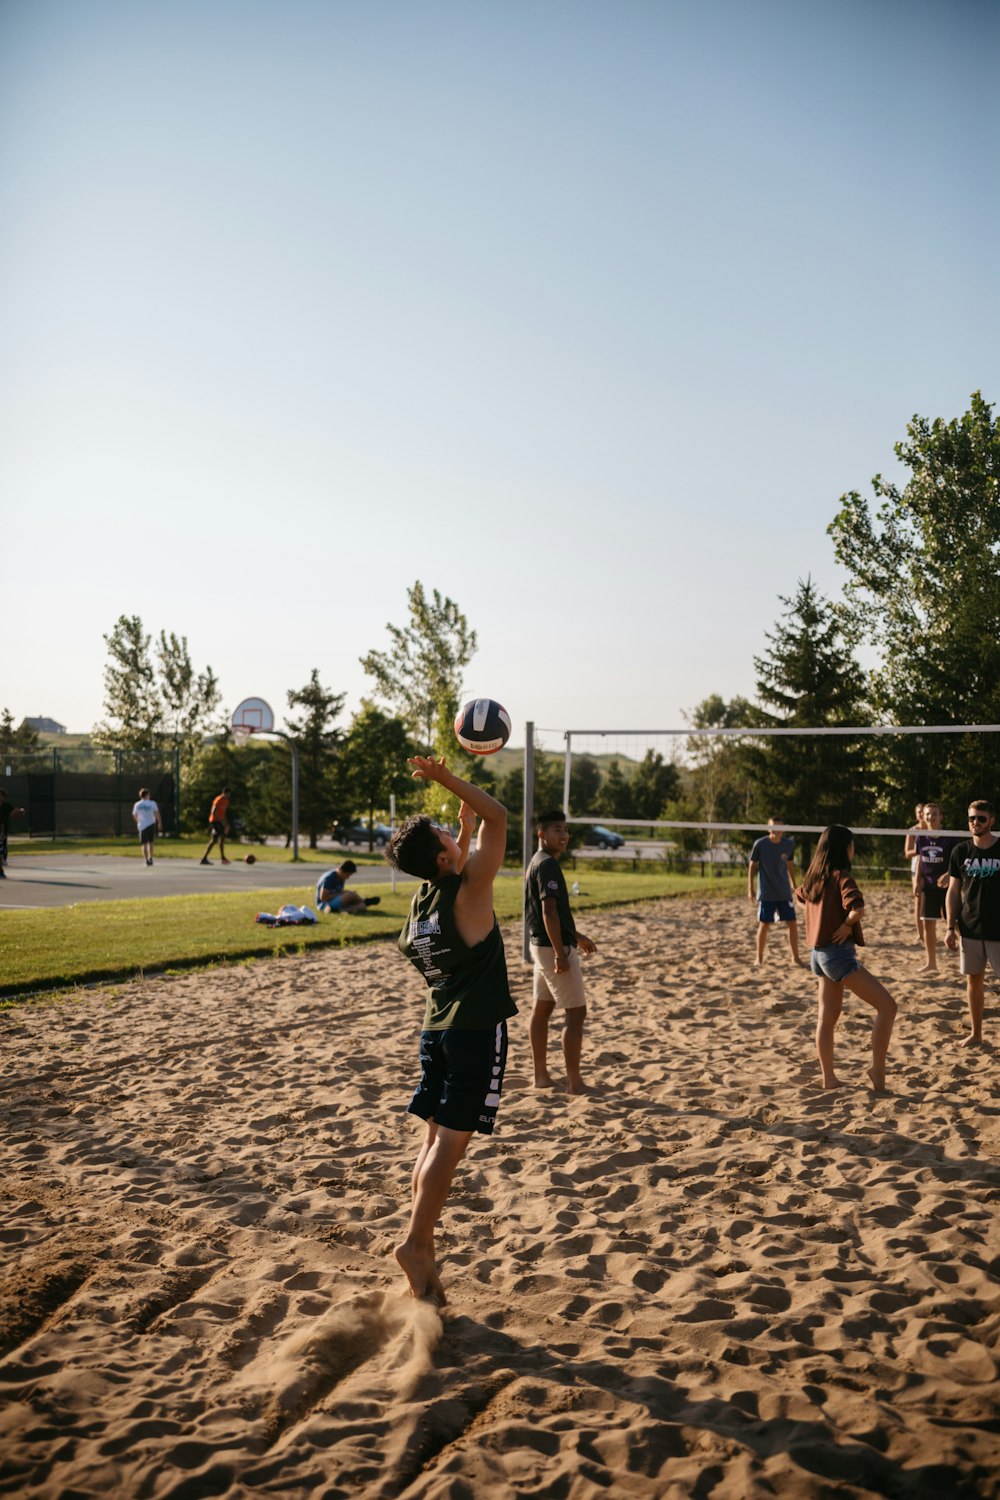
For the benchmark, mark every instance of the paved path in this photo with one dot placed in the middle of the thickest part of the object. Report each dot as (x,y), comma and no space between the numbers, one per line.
(64,879)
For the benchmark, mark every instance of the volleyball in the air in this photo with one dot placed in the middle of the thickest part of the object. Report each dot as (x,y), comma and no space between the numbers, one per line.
(482,727)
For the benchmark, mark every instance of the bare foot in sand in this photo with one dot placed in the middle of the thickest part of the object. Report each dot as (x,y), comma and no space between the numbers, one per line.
(421,1273)
(830,1083)
(877,1077)
(543,1081)
(974,1039)
(576,1086)
(928,969)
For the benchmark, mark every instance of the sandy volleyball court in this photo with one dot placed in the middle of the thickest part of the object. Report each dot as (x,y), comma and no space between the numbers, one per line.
(706,1279)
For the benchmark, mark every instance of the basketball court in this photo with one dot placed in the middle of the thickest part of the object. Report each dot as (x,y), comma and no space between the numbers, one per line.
(64,879)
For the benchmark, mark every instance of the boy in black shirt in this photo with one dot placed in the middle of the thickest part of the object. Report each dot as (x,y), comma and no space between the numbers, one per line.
(973,906)
(451,936)
(555,942)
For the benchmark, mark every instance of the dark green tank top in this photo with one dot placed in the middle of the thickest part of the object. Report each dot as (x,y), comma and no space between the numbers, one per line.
(467,987)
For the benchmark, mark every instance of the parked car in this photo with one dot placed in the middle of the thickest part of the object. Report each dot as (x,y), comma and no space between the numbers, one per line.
(602,837)
(357,833)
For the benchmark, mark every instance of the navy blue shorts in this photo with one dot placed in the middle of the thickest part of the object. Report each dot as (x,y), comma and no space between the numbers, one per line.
(461,1078)
(775,911)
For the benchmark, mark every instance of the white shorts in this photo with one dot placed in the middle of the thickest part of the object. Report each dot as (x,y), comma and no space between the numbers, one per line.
(976,954)
(562,989)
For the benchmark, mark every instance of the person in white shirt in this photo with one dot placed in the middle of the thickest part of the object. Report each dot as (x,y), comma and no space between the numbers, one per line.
(148,821)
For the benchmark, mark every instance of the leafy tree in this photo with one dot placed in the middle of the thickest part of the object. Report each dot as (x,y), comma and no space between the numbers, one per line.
(719,786)
(21,741)
(420,676)
(584,784)
(925,586)
(654,783)
(374,760)
(131,701)
(808,678)
(615,799)
(189,700)
(317,740)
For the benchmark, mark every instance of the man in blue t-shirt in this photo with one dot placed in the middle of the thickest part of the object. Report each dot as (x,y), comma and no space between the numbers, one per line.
(771,882)
(332,896)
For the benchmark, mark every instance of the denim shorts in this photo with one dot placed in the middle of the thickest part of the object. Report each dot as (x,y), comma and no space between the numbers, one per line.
(835,962)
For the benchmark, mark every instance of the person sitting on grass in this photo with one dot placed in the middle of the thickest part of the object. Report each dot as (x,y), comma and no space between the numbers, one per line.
(332,896)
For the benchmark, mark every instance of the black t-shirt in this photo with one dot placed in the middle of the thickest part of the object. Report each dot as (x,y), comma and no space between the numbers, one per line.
(6,808)
(979,872)
(467,988)
(545,880)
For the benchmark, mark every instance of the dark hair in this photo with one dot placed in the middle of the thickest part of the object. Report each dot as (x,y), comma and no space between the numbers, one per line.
(225,791)
(144,791)
(414,847)
(981,805)
(349,867)
(831,854)
(545,819)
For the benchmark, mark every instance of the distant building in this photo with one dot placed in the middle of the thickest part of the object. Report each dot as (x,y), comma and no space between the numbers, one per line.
(45,726)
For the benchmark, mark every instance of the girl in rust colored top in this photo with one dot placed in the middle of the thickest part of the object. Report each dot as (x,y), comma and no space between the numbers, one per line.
(833,906)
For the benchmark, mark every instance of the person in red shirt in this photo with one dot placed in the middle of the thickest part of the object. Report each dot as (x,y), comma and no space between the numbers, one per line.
(218,827)
(833,906)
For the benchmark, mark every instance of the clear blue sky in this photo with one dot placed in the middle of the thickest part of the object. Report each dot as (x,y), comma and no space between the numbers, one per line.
(583,313)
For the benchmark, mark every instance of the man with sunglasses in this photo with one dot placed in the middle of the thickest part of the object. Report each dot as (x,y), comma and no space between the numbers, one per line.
(973,909)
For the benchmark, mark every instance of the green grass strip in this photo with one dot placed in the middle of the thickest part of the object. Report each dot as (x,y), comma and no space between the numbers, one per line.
(57,948)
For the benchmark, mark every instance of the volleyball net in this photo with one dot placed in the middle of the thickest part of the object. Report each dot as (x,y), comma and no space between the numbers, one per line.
(708,792)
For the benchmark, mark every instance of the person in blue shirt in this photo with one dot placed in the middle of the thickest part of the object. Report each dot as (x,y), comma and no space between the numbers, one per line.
(771,882)
(332,896)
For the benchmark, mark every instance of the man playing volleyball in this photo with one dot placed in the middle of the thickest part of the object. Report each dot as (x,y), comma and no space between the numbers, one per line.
(452,937)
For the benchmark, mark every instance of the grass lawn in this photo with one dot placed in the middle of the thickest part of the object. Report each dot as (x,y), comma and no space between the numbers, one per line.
(56,948)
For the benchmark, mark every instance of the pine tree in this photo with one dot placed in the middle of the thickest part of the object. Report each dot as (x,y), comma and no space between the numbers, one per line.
(317,742)
(808,678)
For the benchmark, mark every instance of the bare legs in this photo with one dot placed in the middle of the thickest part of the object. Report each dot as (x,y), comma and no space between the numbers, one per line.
(440,1154)
(930,946)
(976,990)
(572,1044)
(792,928)
(831,1000)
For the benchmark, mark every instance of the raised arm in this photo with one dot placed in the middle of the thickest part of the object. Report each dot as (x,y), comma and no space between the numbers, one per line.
(491,842)
(466,823)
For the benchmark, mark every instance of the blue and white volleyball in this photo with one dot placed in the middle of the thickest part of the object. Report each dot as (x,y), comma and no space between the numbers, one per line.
(482,727)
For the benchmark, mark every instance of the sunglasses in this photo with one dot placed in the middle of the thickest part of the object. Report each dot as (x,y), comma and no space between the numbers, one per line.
(979,817)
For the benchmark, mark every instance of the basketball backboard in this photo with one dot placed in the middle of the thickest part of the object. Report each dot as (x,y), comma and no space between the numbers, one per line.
(254,716)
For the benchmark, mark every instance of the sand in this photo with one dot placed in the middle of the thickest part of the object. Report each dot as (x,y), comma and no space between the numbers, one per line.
(706,1278)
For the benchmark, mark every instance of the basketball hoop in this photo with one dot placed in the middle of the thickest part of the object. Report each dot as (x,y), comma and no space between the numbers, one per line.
(241,735)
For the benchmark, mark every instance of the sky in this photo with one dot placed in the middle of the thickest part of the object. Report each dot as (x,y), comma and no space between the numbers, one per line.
(584,313)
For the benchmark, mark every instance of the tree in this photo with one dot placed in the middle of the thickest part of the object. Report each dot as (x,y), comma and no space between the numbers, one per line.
(925,585)
(655,783)
(719,789)
(20,741)
(374,759)
(615,799)
(188,700)
(317,741)
(420,676)
(808,678)
(584,784)
(131,702)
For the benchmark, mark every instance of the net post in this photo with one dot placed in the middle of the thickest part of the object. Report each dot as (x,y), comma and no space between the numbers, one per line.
(528,808)
(566,769)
